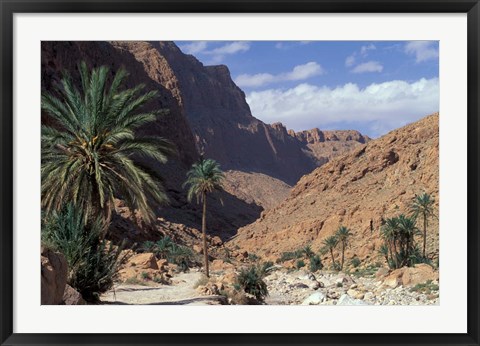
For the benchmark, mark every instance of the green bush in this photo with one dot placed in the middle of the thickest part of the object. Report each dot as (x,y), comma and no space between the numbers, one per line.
(93,264)
(166,248)
(300,264)
(251,280)
(355,262)
(289,255)
(265,266)
(315,263)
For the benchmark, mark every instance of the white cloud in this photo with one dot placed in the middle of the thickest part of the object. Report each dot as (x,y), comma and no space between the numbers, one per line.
(215,55)
(194,47)
(300,72)
(364,49)
(378,107)
(422,50)
(370,66)
(350,60)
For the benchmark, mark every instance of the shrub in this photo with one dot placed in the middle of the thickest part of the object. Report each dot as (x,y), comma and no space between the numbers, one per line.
(93,263)
(355,262)
(253,257)
(339,284)
(251,280)
(315,263)
(145,276)
(336,267)
(166,248)
(265,266)
(289,255)
(300,264)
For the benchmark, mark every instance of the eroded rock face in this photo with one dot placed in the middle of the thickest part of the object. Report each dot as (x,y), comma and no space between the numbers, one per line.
(376,180)
(54,276)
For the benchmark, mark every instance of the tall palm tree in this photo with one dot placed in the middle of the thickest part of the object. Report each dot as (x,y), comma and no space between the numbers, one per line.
(88,154)
(423,206)
(343,234)
(204,177)
(329,244)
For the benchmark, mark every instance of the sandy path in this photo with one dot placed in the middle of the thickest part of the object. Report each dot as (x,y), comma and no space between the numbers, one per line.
(180,292)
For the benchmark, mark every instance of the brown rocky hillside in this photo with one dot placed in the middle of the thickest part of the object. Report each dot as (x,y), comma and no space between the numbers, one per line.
(376,180)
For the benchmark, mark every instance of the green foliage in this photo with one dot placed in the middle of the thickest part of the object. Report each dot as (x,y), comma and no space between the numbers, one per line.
(251,281)
(87,156)
(266,267)
(399,248)
(289,255)
(336,267)
(145,276)
(93,263)
(204,177)
(253,257)
(422,207)
(166,248)
(300,264)
(315,263)
(355,262)
(307,251)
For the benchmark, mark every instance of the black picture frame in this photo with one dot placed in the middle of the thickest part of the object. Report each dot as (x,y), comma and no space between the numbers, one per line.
(9,7)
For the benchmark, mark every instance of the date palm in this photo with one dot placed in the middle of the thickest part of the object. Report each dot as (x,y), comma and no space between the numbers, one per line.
(407,229)
(391,236)
(329,244)
(343,234)
(88,155)
(203,178)
(423,206)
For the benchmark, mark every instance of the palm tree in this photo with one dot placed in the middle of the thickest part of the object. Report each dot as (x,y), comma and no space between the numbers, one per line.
(88,154)
(204,177)
(390,234)
(423,205)
(407,229)
(329,244)
(343,234)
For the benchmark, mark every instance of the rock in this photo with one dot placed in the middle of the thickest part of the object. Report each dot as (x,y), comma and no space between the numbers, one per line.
(143,261)
(316,285)
(355,294)
(419,274)
(53,276)
(162,264)
(198,249)
(314,299)
(299,285)
(218,265)
(345,299)
(381,273)
(216,241)
(72,297)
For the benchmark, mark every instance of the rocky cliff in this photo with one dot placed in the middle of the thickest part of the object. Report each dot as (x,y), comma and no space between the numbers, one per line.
(376,180)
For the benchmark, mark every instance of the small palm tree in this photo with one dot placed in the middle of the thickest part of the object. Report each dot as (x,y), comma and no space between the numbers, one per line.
(343,234)
(390,234)
(423,206)
(407,229)
(204,177)
(87,156)
(329,244)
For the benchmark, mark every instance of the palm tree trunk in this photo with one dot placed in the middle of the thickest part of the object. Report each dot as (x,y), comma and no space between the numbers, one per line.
(424,234)
(204,227)
(333,258)
(343,254)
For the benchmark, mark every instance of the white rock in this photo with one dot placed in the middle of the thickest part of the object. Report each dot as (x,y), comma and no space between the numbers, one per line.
(314,299)
(345,299)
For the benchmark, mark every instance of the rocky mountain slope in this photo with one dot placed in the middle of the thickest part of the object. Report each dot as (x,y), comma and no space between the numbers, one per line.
(207,113)
(375,181)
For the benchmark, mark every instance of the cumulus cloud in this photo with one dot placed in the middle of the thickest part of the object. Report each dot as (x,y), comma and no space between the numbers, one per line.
(300,72)
(422,50)
(378,108)
(364,49)
(215,55)
(370,66)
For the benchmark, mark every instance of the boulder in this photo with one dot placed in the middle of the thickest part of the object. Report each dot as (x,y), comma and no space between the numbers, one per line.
(143,261)
(314,299)
(72,297)
(54,271)
(345,299)
(381,273)
(410,276)
(218,265)
(216,241)
(418,274)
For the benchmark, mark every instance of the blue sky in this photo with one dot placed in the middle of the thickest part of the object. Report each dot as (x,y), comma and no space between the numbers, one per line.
(370,86)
